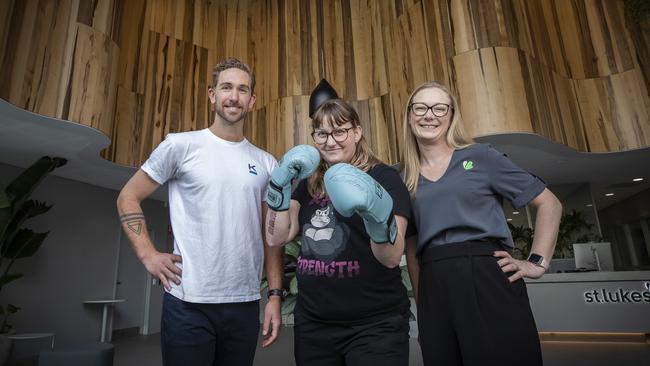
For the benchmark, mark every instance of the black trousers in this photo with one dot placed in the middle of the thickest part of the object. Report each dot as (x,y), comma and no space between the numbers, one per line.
(469,313)
(381,342)
(208,334)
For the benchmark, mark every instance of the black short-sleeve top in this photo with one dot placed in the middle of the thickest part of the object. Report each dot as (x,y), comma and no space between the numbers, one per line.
(466,202)
(339,278)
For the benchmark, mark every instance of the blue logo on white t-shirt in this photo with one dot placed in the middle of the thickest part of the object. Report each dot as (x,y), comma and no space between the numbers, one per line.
(251,169)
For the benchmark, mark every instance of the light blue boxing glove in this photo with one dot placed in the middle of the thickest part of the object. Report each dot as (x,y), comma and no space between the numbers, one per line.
(298,163)
(353,191)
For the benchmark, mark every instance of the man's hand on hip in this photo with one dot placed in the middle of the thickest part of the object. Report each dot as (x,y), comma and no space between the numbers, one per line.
(163,266)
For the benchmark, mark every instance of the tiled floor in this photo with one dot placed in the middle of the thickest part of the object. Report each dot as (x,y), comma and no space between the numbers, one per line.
(145,351)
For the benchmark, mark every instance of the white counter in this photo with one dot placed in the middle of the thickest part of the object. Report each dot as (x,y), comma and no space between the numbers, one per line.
(592,302)
(593,277)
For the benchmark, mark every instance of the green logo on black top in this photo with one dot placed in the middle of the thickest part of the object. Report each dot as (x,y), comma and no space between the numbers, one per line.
(468,164)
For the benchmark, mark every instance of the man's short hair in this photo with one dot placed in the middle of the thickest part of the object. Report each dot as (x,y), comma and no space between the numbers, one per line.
(232,63)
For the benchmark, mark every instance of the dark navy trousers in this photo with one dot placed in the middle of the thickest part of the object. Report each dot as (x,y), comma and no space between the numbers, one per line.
(208,334)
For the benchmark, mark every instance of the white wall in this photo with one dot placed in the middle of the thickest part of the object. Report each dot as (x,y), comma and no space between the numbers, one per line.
(77,261)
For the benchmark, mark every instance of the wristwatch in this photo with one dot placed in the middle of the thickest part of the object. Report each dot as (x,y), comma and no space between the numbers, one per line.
(277,292)
(537,260)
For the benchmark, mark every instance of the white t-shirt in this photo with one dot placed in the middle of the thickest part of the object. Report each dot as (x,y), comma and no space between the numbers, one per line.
(216,189)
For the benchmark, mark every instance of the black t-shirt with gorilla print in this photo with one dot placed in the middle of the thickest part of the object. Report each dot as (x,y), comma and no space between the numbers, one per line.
(339,279)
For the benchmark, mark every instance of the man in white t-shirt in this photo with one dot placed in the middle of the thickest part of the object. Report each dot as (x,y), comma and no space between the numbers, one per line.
(217,184)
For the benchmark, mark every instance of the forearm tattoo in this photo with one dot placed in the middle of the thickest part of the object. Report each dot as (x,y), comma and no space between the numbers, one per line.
(272,217)
(133,222)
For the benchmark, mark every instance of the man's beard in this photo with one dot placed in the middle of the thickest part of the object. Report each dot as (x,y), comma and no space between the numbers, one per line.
(227,119)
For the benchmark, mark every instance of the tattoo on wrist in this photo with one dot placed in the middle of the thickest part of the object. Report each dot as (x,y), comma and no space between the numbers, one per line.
(133,222)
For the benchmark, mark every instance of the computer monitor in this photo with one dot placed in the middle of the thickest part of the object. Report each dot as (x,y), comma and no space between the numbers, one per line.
(597,256)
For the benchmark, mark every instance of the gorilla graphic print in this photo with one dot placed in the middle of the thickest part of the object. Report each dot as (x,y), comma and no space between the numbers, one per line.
(323,236)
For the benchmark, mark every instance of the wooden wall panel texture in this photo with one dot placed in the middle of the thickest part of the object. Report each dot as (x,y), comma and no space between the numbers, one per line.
(637,19)
(615,113)
(38,55)
(568,70)
(552,104)
(92,82)
(492,91)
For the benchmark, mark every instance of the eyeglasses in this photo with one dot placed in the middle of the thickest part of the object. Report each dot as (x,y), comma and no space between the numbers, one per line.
(438,109)
(339,135)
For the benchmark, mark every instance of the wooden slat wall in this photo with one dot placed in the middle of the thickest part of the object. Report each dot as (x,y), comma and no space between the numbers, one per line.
(551,100)
(92,80)
(637,21)
(491,89)
(139,69)
(38,53)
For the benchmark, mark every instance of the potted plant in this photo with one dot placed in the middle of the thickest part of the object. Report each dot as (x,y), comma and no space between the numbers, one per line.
(17,242)
(522,238)
(574,228)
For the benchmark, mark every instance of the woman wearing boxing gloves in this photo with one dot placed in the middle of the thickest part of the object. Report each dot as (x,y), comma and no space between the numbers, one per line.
(352,212)
(473,307)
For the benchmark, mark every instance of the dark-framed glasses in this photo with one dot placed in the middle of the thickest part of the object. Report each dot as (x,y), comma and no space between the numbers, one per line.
(438,109)
(339,135)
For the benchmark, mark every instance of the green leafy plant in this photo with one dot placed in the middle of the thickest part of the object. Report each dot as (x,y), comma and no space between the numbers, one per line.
(17,242)
(4,313)
(522,237)
(406,281)
(574,228)
(289,282)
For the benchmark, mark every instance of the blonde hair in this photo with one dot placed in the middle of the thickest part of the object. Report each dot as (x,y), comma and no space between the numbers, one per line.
(456,137)
(337,113)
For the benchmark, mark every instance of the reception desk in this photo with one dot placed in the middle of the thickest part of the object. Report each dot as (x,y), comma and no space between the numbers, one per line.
(608,302)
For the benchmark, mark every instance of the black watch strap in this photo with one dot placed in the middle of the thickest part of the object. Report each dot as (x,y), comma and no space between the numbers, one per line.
(277,292)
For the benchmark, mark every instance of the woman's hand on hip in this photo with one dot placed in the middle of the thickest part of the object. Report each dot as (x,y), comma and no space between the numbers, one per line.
(520,268)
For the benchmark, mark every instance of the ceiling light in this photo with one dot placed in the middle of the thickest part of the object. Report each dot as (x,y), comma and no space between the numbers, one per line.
(609,194)
(637,179)
(588,205)
(509,219)
(515,212)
